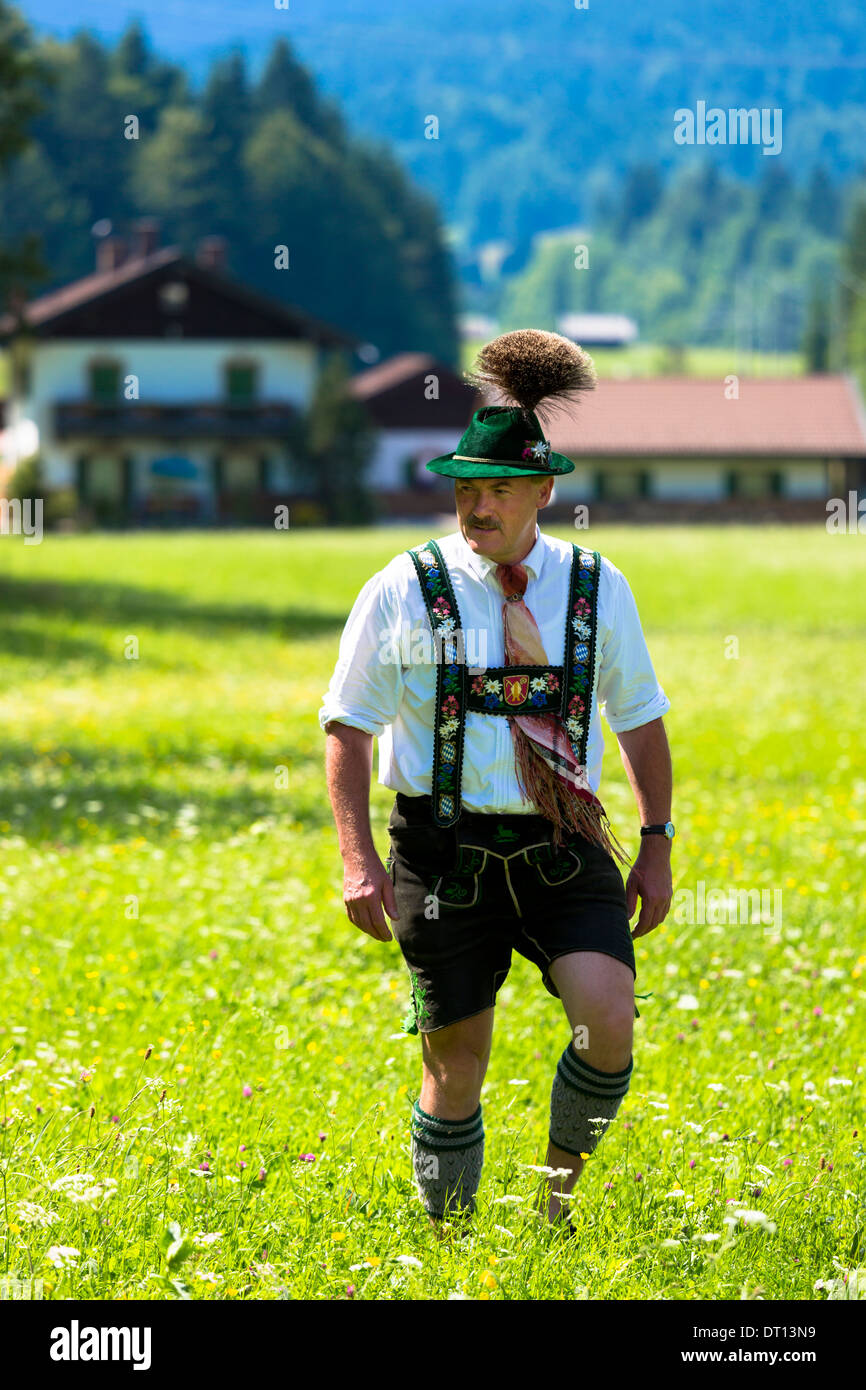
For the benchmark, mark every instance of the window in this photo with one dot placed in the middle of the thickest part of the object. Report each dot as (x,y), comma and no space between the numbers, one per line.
(756,483)
(240,473)
(104,382)
(105,478)
(622,485)
(241,382)
(173,296)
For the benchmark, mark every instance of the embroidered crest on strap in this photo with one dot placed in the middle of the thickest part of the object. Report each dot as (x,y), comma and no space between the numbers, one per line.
(507,690)
(511,689)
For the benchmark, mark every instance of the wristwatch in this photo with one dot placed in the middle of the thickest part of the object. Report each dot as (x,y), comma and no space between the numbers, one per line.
(667,829)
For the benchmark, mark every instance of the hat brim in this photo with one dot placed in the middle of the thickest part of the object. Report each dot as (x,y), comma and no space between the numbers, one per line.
(449,467)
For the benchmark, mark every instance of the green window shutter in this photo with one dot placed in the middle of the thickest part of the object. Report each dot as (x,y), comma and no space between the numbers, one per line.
(241,382)
(104,382)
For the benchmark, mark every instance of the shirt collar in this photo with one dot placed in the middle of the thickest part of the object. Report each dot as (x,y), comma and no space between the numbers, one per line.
(482,566)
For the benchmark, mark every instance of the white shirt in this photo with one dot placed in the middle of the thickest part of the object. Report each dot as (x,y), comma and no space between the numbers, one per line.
(385,678)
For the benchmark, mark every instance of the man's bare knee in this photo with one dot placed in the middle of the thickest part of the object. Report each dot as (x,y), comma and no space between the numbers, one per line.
(457,1067)
(455,1063)
(605,1039)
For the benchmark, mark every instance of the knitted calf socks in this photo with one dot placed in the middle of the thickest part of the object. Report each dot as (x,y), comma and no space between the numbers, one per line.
(447,1156)
(583,1101)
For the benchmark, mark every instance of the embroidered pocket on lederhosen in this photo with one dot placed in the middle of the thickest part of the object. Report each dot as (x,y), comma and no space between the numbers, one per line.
(460,887)
(553,864)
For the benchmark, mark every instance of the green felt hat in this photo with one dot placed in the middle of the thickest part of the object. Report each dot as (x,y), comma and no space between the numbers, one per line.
(502,442)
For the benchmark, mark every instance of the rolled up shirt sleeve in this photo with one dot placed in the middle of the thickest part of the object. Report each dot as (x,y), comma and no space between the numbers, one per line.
(628,692)
(367,684)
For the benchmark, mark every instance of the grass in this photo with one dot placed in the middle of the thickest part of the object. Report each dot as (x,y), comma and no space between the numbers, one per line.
(205,1089)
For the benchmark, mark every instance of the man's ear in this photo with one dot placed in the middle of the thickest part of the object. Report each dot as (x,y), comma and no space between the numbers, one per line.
(544,492)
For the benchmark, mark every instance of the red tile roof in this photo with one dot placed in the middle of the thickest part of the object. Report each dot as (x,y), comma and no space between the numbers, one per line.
(392,372)
(807,416)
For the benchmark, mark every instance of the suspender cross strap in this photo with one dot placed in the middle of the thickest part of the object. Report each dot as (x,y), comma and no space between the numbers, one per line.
(564,690)
(450,713)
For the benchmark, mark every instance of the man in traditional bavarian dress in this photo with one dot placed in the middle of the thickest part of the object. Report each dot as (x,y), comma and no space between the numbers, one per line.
(490,736)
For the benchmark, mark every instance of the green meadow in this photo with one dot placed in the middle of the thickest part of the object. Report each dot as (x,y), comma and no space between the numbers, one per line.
(205,1085)
(642,359)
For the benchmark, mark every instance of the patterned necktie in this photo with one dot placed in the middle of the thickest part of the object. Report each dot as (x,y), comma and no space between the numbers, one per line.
(547,769)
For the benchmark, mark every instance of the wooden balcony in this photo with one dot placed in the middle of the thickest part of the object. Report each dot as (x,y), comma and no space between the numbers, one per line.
(186,420)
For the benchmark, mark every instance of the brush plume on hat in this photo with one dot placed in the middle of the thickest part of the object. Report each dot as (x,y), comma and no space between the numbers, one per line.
(529,366)
(533,370)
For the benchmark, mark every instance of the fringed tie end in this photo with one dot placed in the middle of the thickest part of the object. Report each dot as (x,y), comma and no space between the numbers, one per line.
(579,813)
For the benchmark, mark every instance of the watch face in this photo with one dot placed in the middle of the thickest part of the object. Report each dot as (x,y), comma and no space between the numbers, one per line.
(669,830)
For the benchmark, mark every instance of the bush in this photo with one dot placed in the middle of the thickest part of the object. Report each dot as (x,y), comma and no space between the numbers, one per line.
(27,481)
(61,506)
(307,514)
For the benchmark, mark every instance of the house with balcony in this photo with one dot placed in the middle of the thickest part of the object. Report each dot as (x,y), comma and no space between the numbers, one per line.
(159,386)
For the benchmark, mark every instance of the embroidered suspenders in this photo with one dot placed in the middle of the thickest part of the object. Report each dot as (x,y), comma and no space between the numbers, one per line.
(504,690)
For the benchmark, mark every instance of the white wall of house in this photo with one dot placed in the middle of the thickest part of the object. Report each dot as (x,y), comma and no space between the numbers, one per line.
(806,479)
(579,485)
(688,481)
(58,464)
(175,370)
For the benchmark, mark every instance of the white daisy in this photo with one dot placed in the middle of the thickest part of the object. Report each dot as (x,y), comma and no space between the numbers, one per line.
(62,1256)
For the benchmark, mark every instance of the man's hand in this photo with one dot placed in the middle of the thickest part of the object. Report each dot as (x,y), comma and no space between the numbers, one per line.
(650,878)
(367,887)
(366,883)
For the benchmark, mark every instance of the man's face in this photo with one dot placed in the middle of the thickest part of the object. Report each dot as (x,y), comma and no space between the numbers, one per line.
(497,516)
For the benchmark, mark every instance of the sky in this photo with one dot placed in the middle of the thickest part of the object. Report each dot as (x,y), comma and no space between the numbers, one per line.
(176,27)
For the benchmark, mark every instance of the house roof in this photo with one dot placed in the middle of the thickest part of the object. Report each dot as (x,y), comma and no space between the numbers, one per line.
(373,381)
(810,416)
(394,392)
(86,307)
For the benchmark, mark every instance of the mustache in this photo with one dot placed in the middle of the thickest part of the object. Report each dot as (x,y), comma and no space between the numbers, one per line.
(482,525)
